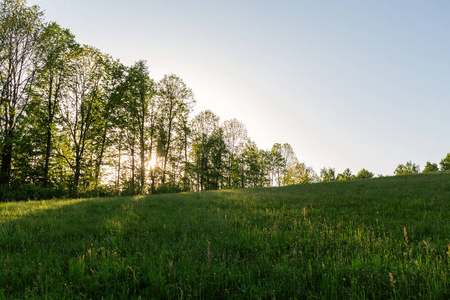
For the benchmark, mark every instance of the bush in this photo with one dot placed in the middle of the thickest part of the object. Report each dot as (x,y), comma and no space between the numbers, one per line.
(29,192)
(168,188)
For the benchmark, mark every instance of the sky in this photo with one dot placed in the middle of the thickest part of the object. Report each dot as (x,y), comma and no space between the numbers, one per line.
(348,84)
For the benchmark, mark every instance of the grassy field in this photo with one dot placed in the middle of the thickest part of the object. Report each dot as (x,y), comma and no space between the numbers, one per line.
(385,238)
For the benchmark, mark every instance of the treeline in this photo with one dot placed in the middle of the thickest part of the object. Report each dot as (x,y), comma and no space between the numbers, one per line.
(412,168)
(76,122)
(329,174)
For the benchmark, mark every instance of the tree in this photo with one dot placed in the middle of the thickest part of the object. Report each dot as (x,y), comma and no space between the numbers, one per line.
(111,96)
(54,49)
(254,163)
(80,111)
(276,164)
(289,157)
(282,160)
(300,174)
(346,175)
(430,167)
(175,99)
(208,149)
(137,101)
(445,163)
(327,175)
(409,168)
(363,174)
(235,136)
(20,27)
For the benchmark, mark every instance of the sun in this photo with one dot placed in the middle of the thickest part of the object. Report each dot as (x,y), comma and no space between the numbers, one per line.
(152,163)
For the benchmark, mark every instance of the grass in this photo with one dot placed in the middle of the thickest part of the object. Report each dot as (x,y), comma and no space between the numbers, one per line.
(385,238)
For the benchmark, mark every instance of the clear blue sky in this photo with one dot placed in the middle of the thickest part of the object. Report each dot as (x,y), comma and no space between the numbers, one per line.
(357,84)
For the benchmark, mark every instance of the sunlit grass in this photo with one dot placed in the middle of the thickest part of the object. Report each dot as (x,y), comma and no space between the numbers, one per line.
(376,239)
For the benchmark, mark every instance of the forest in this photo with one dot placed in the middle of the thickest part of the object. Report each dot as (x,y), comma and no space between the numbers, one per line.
(76,122)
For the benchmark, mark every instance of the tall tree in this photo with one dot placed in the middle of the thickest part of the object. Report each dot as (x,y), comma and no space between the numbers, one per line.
(140,90)
(255,162)
(174,100)
(55,50)
(111,95)
(235,136)
(208,149)
(276,164)
(80,110)
(19,33)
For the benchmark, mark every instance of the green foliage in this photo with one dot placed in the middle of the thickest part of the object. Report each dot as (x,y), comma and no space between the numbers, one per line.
(277,165)
(380,239)
(20,27)
(254,162)
(364,174)
(430,167)
(208,151)
(327,175)
(409,168)
(235,136)
(300,174)
(445,163)
(346,175)
(30,192)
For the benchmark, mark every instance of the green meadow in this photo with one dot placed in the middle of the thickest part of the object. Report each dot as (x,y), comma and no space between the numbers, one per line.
(384,238)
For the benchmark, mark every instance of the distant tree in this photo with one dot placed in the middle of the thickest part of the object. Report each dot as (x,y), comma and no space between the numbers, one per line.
(327,175)
(430,167)
(409,168)
(277,164)
(445,163)
(346,175)
(289,157)
(300,174)
(208,150)
(363,174)
(235,136)
(255,163)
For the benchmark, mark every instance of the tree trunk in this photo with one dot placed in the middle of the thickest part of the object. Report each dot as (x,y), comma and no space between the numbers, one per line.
(142,175)
(169,135)
(49,132)
(76,177)
(118,172)
(132,169)
(100,156)
(166,154)
(152,174)
(5,175)
(47,155)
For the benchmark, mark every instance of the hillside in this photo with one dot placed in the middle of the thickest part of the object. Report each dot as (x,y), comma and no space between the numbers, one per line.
(378,239)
